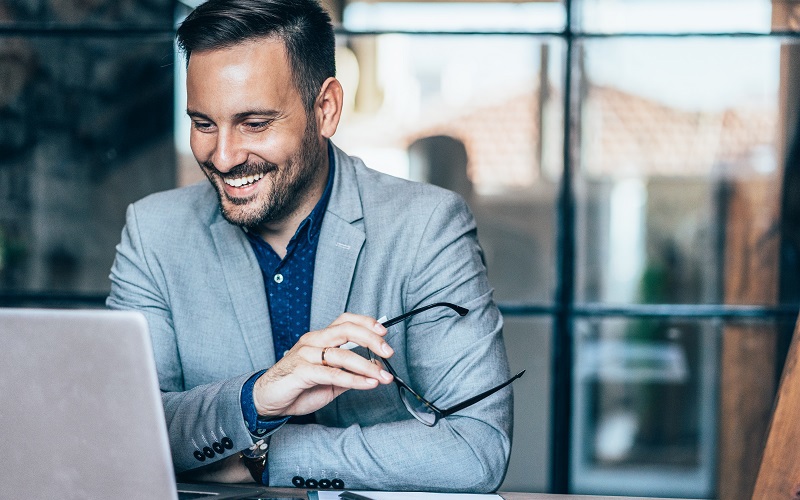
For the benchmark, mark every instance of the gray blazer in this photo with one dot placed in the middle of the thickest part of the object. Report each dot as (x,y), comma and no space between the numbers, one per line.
(386,246)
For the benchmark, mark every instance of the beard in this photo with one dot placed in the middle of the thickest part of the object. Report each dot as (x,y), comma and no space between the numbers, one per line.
(290,184)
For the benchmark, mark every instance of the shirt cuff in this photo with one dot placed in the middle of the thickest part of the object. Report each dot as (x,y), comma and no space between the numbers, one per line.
(258,426)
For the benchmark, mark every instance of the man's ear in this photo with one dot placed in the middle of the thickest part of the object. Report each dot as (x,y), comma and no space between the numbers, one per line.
(328,108)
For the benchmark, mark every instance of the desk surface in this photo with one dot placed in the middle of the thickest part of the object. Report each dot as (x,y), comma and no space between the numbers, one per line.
(290,492)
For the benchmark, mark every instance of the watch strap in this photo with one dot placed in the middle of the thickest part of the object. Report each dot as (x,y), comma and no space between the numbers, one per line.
(255,459)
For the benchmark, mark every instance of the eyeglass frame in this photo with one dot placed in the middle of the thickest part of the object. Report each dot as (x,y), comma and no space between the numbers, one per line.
(401,384)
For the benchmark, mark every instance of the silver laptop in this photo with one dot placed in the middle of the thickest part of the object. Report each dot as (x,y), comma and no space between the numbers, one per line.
(80,410)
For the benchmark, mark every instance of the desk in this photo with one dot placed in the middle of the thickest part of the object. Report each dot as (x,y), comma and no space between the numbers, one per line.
(297,492)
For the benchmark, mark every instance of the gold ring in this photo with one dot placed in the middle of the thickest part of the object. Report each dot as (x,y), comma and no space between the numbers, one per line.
(324,363)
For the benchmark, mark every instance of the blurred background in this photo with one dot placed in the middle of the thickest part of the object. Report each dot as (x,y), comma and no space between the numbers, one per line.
(633,166)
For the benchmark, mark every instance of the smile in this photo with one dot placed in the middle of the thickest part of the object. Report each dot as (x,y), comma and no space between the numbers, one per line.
(243,181)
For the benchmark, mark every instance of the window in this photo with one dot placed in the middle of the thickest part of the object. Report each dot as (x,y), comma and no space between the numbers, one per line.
(83,132)
(621,260)
(628,163)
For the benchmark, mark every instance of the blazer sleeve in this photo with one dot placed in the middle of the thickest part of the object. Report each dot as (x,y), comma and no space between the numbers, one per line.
(448,359)
(205,424)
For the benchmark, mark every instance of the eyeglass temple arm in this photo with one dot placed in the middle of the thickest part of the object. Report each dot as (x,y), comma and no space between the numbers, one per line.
(402,382)
(471,401)
(460,310)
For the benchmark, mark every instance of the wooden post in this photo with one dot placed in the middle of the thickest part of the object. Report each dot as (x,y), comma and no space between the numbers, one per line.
(752,267)
(779,475)
(748,351)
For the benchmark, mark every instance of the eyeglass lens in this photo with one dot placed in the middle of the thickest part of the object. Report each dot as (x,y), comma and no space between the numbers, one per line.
(417,407)
(422,409)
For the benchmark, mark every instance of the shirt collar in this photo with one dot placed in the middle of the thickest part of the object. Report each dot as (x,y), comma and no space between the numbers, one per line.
(314,219)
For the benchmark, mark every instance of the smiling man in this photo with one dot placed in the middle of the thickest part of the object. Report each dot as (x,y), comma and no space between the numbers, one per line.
(251,134)
(261,287)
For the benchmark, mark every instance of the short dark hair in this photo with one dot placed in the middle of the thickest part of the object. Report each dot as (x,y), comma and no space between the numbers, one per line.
(302,25)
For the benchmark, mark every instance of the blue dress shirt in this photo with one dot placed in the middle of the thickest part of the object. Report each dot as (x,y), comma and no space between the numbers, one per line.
(288,283)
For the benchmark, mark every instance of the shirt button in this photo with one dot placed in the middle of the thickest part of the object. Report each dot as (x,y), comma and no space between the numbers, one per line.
(278,278)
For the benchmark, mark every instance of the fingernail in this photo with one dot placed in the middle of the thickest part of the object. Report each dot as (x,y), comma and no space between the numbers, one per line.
(386,375)
(387,349)
(379,328)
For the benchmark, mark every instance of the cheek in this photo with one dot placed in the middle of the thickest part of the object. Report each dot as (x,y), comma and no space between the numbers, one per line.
(196,144)
(276,148)
(201,145)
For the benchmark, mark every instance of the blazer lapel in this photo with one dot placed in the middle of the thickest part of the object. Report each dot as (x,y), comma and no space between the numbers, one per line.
(246,291)
(340,243)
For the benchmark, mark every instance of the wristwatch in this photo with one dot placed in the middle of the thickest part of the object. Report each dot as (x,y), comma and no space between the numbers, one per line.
(255,459)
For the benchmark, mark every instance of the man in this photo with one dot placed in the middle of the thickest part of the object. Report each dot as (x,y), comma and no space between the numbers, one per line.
(289,234)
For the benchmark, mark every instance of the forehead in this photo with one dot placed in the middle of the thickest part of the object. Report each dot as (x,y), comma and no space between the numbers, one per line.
(251,73)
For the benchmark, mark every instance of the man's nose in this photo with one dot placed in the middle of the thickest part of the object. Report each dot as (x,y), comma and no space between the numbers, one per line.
(228,151)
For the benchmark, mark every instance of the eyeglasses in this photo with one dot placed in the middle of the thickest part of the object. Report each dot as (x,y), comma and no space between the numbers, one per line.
(422,409)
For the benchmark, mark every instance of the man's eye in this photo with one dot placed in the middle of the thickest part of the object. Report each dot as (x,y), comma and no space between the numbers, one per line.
(202,126)
(260,125)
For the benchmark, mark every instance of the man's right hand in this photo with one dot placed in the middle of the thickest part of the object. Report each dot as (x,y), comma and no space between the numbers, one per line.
(315,370)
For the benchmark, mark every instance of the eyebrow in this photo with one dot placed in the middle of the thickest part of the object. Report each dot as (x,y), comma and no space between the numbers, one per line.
(196,114)
(269,113)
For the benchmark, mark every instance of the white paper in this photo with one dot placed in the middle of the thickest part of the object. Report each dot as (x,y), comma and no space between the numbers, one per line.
(407,495)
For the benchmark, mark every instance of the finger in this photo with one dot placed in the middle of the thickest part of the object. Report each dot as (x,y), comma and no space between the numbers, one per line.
(353,345)
(307,387)
(309,376)
(340,334)
(359,319)
(344,379)
(338,360)
(345,360)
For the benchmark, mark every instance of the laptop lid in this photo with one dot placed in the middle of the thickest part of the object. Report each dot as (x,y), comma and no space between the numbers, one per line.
(80,410)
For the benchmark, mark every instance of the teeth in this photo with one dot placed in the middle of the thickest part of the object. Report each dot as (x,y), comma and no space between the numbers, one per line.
(243,181)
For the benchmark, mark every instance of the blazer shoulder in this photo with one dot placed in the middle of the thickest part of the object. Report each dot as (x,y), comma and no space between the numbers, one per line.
(183,205)
(175,218)
(393,192)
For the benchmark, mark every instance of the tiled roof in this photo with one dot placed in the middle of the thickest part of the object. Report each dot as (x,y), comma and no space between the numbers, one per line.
(626,134)
(623,134)
(500,139)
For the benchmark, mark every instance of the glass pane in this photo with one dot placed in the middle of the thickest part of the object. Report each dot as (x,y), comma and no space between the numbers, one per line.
(91,13)
(447,110)
(679,16)
(679,171)
(85,129)
(660,403)
(547,16)
(528,342)
(644,414)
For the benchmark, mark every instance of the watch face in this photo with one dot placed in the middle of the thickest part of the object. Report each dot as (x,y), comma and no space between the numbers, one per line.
(258,450)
